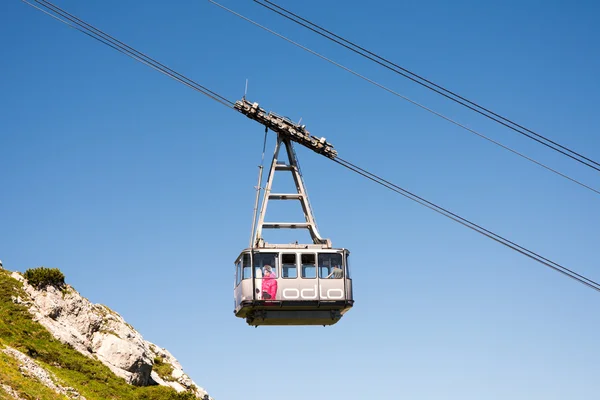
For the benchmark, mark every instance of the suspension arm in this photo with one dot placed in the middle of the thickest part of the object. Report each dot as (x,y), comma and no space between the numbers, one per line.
(285,127)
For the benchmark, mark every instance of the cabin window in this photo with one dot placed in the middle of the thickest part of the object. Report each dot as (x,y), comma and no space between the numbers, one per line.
(238,272)
(347,266)
(264,262)
(327,266)
(246,267)
(309,267)
(289,268)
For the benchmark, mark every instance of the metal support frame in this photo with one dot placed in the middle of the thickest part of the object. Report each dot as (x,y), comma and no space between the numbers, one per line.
(285,127)
(301,195)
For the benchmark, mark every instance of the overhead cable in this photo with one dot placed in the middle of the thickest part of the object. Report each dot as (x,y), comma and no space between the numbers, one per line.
(121,47)
(430,85)
(404,97)
(89,30)
(477,228)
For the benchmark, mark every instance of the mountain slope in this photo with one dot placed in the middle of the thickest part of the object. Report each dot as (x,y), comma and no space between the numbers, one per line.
(55,344)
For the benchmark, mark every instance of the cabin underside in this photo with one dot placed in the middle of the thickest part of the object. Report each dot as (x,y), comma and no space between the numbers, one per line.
(293,313)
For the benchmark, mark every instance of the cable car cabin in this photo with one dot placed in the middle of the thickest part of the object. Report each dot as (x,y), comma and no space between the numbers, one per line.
(292,286)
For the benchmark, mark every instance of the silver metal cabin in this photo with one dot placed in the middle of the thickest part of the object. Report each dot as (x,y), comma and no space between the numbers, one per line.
(308,293)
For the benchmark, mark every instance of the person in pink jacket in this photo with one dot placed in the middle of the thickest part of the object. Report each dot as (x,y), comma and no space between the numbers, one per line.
(269,284)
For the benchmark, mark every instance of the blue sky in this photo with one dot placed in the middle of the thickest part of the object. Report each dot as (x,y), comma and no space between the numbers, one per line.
(141,190)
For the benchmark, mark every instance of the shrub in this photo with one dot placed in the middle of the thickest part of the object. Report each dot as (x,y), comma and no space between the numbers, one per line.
(42,277)
(164,370)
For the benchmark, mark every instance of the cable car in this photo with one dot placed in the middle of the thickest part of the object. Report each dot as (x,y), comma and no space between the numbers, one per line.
(290,284)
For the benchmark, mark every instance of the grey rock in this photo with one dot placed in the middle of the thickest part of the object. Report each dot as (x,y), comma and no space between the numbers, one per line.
(98,332)
(13,393)
(31,369)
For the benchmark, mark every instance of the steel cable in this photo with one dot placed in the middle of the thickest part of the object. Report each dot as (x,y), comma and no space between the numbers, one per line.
(404,97)
(121,47)
(431,85)
(477,228)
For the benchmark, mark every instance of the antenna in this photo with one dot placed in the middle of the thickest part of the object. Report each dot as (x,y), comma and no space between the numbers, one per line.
(246,89)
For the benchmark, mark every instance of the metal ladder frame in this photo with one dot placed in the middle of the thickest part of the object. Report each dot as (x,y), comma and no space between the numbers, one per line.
(301,194)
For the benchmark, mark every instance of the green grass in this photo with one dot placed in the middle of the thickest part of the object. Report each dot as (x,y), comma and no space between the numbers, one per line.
(164,370)
(89,377)
(25,387)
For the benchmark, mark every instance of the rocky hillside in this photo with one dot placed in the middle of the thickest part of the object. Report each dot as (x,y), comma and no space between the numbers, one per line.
(55,344)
